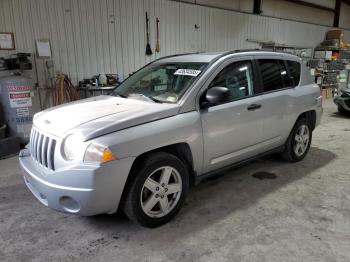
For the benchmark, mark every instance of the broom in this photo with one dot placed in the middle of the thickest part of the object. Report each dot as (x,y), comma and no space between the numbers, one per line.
(148,46)
(157,49)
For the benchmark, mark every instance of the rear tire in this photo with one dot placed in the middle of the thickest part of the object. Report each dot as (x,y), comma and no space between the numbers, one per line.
(298,142)
(158,190)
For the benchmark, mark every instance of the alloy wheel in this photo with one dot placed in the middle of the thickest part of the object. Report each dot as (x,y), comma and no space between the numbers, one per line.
(301,140)
(161,192)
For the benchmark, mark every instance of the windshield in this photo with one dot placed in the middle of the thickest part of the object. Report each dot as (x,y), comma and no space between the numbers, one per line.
(165,82)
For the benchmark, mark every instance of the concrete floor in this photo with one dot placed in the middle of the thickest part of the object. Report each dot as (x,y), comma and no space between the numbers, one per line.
(299,212)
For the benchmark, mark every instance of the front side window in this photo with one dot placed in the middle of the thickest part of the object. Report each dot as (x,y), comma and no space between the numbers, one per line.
(238,78)
(271,74)
(165,82)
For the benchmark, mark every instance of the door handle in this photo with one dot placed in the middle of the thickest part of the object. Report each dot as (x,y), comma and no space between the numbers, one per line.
(253,107)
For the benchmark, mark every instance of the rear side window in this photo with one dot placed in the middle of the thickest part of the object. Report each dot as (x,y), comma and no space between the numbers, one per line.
(287,80)
(294,69)
(271,74)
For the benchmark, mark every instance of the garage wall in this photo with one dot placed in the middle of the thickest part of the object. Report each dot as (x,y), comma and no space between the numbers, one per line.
(90,37)
(325,3)
(288,10)
(236,5)
(344,19)
(285,10)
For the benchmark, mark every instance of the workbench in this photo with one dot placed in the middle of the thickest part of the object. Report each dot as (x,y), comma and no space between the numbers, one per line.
(86,92)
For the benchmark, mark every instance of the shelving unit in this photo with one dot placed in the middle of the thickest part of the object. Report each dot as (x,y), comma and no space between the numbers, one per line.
(327,69)
(304,52)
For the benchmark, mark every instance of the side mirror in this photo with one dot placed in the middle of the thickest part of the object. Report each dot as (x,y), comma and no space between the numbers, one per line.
(217,95)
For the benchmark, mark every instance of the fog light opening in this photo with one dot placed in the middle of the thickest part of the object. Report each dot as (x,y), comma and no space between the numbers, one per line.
(69,204)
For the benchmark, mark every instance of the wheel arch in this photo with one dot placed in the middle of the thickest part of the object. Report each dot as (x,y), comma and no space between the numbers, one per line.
(309,116)
(180,150)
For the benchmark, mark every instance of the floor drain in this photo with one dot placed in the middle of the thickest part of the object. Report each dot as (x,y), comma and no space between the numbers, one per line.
(264,175)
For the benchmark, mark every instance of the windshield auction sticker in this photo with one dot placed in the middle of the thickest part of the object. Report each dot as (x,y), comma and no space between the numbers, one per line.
(187,72)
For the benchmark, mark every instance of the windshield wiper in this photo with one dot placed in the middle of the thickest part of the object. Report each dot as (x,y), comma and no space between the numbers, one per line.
(156,100)
(147,97)
(118,94)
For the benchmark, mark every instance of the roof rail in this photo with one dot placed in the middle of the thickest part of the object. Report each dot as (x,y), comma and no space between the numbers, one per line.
(175,55)
(219,56)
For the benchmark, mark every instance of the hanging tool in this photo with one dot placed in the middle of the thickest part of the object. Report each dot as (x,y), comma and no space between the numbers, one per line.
(157,42)
(148,45)
(64,91)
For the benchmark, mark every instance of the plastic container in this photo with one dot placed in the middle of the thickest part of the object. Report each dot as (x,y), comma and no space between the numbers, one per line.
(102,79)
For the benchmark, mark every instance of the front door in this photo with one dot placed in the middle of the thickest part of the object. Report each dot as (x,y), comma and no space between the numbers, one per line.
(232,131)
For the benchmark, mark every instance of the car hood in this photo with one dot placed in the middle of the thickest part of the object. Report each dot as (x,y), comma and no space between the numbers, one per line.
(100,115)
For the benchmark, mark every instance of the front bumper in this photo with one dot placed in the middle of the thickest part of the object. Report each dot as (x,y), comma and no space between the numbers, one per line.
(85,189)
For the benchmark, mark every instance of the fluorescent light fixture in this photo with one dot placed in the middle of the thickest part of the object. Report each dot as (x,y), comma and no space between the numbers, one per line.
(243,68)
(283,73)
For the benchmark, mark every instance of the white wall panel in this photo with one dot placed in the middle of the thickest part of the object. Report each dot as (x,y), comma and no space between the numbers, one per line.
(89,36)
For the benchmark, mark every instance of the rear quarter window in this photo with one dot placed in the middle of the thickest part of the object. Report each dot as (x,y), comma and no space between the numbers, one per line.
(294,69)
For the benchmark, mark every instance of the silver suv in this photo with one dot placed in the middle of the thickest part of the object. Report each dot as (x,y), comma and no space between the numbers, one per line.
(174,122)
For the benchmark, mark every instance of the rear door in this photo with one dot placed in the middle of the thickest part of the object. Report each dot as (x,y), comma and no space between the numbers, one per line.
(277,101)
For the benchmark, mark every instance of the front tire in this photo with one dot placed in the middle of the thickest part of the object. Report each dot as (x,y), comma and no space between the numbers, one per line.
(299,141)
(158,191)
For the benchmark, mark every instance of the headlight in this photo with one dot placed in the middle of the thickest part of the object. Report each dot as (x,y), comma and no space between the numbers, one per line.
(71,147)
(97,153)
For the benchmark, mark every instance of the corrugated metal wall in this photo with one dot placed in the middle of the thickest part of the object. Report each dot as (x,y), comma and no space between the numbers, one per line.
(90,36)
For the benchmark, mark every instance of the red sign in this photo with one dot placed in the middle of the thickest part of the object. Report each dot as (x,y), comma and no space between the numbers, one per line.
(19,95)
(19,88)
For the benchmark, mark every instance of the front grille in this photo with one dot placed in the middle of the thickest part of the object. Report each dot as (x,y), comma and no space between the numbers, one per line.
(42,149)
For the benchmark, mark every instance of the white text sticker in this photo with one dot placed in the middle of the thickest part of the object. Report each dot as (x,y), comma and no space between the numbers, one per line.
(187,72)
(171,99)
(23,111)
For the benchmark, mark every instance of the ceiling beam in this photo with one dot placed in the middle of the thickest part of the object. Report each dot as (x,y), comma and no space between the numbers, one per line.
(337,13)
(257,7)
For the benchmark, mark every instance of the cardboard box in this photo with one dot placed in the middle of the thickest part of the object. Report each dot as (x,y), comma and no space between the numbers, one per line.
(335,34)
(329,92)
